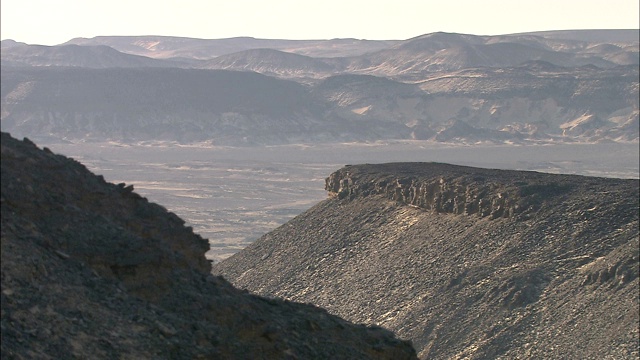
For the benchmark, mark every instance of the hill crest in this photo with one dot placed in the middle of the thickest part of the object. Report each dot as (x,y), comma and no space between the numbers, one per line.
(397,246)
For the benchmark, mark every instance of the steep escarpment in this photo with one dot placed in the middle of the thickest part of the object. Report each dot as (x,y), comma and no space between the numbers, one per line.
(450,189)
(93,270)
(465,262)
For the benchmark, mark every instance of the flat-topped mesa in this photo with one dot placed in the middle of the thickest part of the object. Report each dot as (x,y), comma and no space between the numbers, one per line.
(445,188)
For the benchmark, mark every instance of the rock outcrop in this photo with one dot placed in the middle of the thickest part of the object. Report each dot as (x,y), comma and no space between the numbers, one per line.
(454,189)
(93,270)
(465,262)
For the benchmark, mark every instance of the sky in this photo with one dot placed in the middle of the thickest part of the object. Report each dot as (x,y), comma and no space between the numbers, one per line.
(51,22)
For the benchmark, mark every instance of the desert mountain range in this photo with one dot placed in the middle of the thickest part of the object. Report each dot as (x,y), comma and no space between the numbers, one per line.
(457,88)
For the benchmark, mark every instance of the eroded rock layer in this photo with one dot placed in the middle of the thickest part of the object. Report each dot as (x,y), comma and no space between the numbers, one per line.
(449,189)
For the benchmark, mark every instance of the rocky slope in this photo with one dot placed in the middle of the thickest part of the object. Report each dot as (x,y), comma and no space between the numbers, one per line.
(93,270)
(466,262)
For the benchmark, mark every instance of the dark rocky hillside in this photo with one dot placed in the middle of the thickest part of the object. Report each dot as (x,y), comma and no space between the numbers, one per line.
(466,262)
(92,270)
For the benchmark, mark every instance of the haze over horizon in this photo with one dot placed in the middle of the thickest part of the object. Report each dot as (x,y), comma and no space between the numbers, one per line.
(285,19)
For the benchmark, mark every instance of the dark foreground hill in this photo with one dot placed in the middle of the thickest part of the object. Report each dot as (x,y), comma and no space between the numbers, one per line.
(465,262)
(91,270)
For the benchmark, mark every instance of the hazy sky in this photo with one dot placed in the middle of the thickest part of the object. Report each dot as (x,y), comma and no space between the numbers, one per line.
(50,22)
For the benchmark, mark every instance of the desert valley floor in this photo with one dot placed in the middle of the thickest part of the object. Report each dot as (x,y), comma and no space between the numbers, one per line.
(233,195)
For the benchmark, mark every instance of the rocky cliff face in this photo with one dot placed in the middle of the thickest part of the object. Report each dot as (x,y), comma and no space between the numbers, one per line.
(466,262)
(93,270)
(454,189)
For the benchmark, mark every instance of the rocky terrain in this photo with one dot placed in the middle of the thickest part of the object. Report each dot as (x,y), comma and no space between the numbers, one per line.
(93,270)
(443,87)
(466,262)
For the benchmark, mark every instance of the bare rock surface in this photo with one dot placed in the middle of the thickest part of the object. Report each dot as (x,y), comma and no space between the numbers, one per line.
(466,262)
(93,270)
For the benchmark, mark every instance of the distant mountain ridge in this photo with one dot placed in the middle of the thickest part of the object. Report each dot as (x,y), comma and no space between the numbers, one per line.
(444,87)
(535,103)
(466,262)
(167,46)
(97,57)
(595,35)
(171,47)
(374,56)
